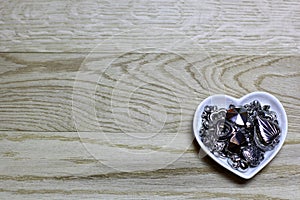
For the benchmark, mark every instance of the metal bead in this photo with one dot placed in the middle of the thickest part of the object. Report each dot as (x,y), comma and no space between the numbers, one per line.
(205,124)
(266,107)
(256,104)
(243,165)
(207,109)
(214,108)
(235,165)
(204,114)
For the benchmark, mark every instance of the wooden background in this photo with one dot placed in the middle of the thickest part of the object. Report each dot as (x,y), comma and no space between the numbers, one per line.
(97,97)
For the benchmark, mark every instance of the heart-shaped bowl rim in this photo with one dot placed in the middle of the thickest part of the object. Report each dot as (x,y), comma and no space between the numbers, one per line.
(223,101)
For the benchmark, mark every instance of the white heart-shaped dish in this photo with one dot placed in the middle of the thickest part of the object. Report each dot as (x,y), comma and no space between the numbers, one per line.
(223,101)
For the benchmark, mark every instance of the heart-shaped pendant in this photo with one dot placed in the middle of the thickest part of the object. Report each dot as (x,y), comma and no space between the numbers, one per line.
(243,135)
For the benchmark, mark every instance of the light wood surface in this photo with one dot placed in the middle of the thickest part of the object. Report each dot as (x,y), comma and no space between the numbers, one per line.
(97,97)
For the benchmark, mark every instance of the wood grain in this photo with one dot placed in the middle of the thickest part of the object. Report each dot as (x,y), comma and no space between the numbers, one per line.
(51,93)
(68,92)
(97,97)
(243,27)
(67,169)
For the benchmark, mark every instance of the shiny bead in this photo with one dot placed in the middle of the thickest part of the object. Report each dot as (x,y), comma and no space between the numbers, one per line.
(207,109)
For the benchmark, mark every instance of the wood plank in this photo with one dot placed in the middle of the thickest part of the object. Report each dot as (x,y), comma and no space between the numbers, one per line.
(136,92)
(242,27)
(97,97)
(57,165)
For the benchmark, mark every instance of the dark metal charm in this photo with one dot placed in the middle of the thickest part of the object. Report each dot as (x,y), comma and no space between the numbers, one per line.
(266,133)
(240,134)
(252,155)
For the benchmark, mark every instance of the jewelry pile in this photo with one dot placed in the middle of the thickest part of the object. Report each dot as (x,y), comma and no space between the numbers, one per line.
(241,134)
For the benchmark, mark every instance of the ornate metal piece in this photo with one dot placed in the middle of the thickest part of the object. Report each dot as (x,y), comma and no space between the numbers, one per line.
(240,134)
(266,133)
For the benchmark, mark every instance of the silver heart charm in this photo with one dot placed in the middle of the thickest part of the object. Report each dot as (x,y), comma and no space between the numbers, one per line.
(242,135)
